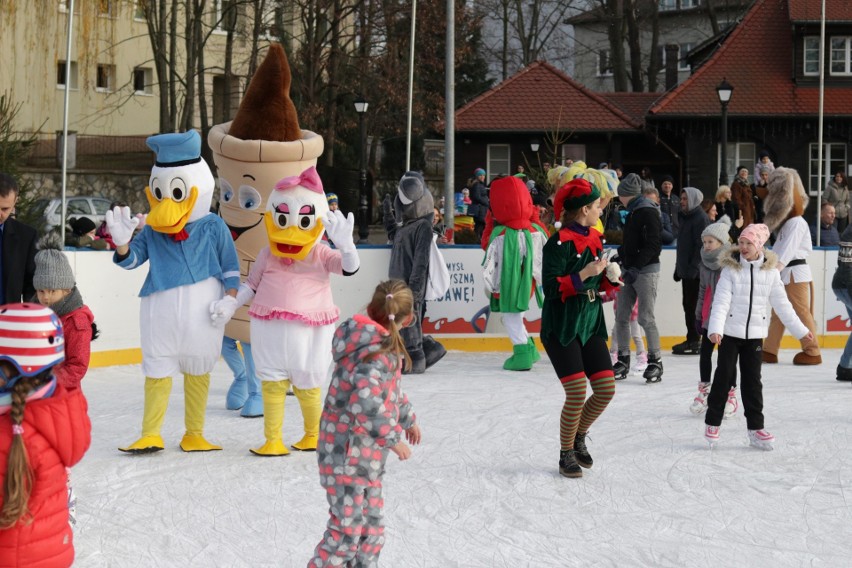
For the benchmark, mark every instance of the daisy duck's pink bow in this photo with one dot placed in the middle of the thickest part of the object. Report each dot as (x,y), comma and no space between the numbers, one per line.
(309,179)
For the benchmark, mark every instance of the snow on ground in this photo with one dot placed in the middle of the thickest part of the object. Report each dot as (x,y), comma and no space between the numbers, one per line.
(483,489)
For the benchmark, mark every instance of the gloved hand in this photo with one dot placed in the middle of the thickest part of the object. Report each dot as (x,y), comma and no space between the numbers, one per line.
(630,275)
(221,311)
(121,225)
(613,272)
(340,230)
(676,276)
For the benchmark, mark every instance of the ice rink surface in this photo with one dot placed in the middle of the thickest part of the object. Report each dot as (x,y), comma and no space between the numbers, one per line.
(483,489)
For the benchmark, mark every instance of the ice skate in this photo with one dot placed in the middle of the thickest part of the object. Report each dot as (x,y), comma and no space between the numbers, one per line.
(687,348)
(761,439)
(654,371)
(731,404)
(621,367)
(711,434)
(641,363)
(699,403)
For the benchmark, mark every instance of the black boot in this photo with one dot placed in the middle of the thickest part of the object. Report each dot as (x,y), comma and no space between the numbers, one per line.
(582,453)
(568,464)
(654,372)
(621,367)
(844,373)
(687,348)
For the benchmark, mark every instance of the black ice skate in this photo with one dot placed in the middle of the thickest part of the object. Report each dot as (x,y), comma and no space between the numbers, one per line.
(687,348)
(654,372)
(621,367)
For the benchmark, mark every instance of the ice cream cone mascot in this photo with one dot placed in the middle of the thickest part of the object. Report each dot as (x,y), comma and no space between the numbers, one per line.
(192,262)
(292,311)
(783,207)
(413,209)
(262,145)
(513,240)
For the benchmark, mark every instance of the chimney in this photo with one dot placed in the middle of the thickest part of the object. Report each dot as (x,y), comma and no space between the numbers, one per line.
(671,65)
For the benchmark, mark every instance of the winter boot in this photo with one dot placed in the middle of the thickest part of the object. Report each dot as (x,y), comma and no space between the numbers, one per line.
(274,394)
(237,394)
(761,439)
(568,466)
(731,404)
(621,367)
(521,359)
(844,373)
(699,403)
(253,408)
(711,434)
(641,363)
(310,401)
(687,348)
(534,350)
(157,393)
(654,372)
(432,350)
(584,459)
(195,389)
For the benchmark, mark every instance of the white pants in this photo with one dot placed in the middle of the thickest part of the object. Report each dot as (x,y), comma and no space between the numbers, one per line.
(514,323)
(287,349)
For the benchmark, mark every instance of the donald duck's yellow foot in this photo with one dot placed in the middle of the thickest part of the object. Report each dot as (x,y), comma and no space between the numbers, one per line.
(271,448)
(308,443)
(197,443)
(145,445)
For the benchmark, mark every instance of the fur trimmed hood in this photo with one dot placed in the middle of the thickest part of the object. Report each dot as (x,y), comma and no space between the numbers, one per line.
(731,259)
(786,198)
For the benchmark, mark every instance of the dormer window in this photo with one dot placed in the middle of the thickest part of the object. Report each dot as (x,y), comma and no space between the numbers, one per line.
(811,55)
(841,55)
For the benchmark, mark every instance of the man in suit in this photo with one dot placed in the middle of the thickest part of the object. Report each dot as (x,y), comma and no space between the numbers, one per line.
(17,247)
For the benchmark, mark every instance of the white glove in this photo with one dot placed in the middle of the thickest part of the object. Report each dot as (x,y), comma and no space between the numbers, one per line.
(221,311)
(121,225)
(613,273)
(340,230)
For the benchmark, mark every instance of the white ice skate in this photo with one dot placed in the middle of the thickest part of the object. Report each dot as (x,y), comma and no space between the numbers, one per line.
(699,403)
(711,434)
(761,439)
(731,404)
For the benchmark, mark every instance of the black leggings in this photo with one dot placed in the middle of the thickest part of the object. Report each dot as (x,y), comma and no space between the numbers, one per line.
(589,358)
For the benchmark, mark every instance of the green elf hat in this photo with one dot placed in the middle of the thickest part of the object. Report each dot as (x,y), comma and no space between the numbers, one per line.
(573,195)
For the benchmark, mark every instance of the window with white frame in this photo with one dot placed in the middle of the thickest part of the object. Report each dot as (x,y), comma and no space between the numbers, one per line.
(833,161)
(139,11)
(575,152)
(841,56)
(690,4)
(811,55)
(666,5)
(738,154)
(684,48)
(224,15)
(60,75)
(604,65)
(143,78)
(105,78)
(273,21)
(498,160)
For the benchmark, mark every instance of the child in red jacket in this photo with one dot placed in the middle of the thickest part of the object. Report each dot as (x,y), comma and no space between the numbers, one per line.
(44,429)
(56,289)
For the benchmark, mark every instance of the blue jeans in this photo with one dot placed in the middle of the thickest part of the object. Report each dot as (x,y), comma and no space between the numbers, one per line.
(242,365)
(843,296)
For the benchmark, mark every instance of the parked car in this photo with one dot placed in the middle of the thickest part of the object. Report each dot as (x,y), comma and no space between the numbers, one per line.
(77,206)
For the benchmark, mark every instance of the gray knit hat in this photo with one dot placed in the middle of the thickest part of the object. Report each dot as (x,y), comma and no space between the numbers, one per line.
(52,271)
(719,230)
(630,186)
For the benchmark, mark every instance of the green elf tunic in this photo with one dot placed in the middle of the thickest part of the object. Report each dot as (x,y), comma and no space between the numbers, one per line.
(573,308)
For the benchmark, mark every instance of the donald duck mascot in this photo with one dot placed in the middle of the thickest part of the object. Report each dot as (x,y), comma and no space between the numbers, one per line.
(193,263)
(292,310)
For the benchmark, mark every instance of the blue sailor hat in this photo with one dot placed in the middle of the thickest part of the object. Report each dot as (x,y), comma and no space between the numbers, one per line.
(176,148)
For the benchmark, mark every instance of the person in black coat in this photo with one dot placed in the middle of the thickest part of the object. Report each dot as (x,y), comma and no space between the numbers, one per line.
(17,247)
(479,203)
(693,220)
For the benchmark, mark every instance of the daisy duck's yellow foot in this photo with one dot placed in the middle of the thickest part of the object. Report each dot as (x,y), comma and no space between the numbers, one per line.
(197,443)
(308,443)
(145,445)
(271,448)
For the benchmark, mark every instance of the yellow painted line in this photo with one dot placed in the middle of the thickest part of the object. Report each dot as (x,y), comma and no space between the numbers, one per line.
(472,343)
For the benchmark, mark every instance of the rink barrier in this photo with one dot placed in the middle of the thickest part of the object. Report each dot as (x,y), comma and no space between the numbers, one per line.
(458,320)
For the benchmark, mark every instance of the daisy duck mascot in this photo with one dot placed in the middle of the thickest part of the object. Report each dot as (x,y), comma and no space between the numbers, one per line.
(192,262)
(262,145)
(292,310)
(513,240)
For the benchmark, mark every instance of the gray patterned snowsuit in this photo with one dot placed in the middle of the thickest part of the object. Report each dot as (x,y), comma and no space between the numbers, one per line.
(365,414)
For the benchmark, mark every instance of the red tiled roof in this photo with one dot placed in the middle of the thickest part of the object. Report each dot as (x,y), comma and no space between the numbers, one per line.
(756,60)
(810,10)
(540,97)
(634,105)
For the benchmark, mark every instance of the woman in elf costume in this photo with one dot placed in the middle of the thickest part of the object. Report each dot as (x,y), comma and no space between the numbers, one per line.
(513,239)
(577,280)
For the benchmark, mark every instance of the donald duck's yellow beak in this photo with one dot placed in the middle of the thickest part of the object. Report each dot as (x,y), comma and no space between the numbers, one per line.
(292,242)
(168,216)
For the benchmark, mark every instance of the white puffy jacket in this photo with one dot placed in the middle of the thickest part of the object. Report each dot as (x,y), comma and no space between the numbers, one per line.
(745,295)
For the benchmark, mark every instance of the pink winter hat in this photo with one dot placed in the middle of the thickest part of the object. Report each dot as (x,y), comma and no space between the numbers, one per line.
(757,233)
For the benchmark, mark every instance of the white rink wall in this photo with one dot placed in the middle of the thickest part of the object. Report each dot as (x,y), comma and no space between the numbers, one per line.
(112,294)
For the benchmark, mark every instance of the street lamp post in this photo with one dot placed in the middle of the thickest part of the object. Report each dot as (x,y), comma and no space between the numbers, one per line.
(724,90)
(363,223)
